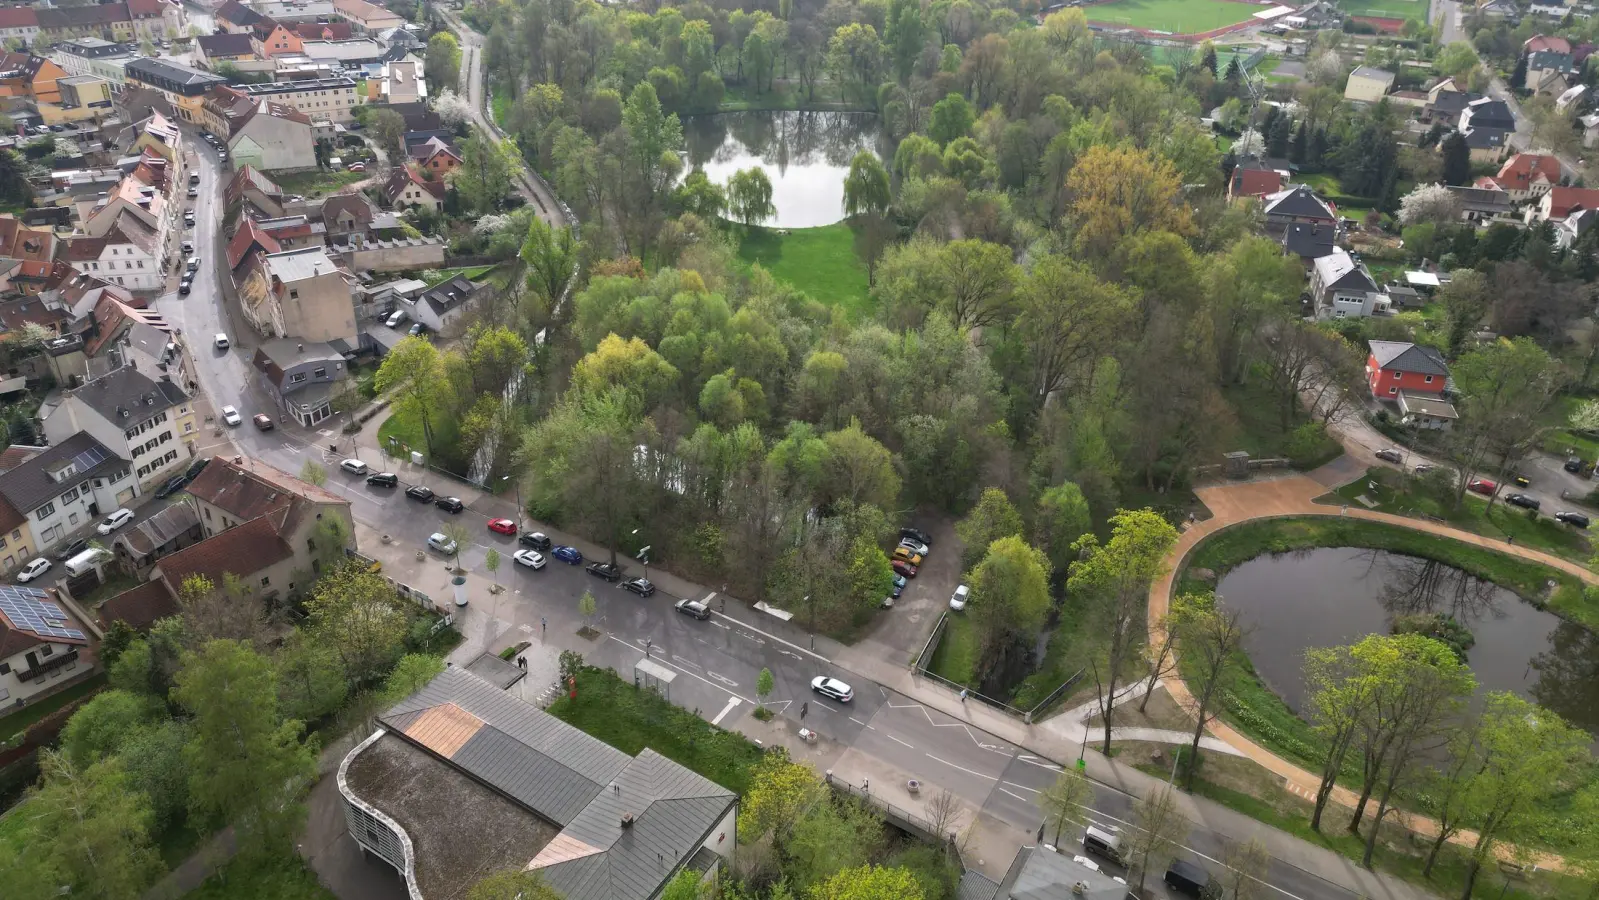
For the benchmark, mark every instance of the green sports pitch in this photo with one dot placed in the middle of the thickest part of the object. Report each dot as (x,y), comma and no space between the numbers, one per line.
(1174,16)
(1386,9)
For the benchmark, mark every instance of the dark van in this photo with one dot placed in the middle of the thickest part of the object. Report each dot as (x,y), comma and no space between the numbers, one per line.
(1190,880)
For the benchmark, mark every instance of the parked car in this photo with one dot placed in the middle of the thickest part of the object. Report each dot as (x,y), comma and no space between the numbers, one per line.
(916,534)
(172,486)
(1390,455)
(193,192)
(116,520)
(450,505)
(1189,880)
(899,585)
(530,558)
(184,287)
(693,608)
(833,688)
(1424,468)
(384,479)
(230,416)
(417,329)
(441,542)
(264,422)
(1574,519)
(957,601)
(1573,464)
(33,570)
(1482,486)
(188,248)
(605,571)
(915,546)
(221,341)
(535,539)
(353,466)
(901,567)
(908,555)
(569,555)
(73,548)
(188,221)
(502,526)
(640,586)
(1523,501)
(420,492)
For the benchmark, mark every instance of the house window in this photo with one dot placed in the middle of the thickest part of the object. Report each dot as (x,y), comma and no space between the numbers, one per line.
(297,377)
(1393,390)
(294,294)
(5,668)
(1429,379)
(1397,375)
(321,372)
(47,650)
(69,496)
(208,514)
(265,581)
(46,511)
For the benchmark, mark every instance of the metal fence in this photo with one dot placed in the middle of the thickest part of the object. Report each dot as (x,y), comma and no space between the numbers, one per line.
(1056,694)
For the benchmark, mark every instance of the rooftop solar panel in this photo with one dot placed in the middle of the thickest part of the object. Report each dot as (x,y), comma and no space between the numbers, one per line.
(27,609)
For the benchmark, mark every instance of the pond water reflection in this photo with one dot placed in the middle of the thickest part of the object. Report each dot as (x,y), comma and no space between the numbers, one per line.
(1337,595)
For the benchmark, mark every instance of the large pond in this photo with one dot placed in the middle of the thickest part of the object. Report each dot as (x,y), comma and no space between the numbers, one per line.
(805,154)
(1337,595)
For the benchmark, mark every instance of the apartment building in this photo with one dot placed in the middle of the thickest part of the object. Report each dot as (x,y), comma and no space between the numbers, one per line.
(323,99)
(148,421)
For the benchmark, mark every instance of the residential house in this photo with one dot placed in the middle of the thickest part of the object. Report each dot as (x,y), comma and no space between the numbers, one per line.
(402,81)
(182,86)
(463,764)
(274,137)
(406,188)
(1394,366)
(159,135)
(1298,204)
(442,307)
(92,56)
(367,17)
(1525,176)
(1426,411)
(1444,107)
(127,255)
(230,492)
(308,297)
(64,489)
(143,417)
(323,31)
(134,20)
(1484,205)
(1549,62)
(1487,145)
(1566,101)
(1590,131)
(1561,202)
(1368,85)
(439,157)
(351,54)
(1309,241)
(345,214)
(296,10)
(1247,180)
(212,50)
(323,99)
(234,17)
(304,378)
(1486,112)
(138,546)
(223,108)
(1340,287)
(1574,226)
(143,340)
(34,248)
(1042,872)
(19,23)
(252,193)
(282,40)
(292,232)
(43,647)
(32,78)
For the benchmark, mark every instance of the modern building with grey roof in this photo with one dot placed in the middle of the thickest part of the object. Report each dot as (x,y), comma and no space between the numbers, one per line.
(462,780)
(1040,873)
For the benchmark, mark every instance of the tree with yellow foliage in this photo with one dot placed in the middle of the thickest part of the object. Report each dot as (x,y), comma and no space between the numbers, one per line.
(1121,191)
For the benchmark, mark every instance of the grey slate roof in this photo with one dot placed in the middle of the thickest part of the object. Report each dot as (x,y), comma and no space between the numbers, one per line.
(974,885)
(128,389)
(1452,102)
(449,294)
(1408,357)
(1488,200)
(1486,138)
(1309,241)
(143,539)
(1040,874)
(1486,112)
(1299,201)
(29,485)
(1339,270)
(496,671)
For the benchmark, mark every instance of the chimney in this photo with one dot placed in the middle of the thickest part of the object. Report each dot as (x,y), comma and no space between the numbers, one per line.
(627,820)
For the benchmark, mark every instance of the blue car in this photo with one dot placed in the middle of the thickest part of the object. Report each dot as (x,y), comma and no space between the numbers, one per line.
(569,555)
(899,585)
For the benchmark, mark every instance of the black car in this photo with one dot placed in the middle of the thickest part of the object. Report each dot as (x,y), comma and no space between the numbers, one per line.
(1574,519)
(536,540)
(916,534)
(450,504)
(71,550)
(1522,500)
(172,486)
(384,479)
(419,492)
(639,586)
(1189,880)
(1390,455)
(605,571)
(184,287)
(1573,464)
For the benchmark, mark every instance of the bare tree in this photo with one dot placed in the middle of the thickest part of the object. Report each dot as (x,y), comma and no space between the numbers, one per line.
(944,813)
(1243,877)
(1211,638)
(1160,827)
(225,611)
(1065,798)
(1161,662)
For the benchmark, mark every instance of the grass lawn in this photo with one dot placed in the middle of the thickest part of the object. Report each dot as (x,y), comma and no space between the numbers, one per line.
(277,879)
(631,719)
(1176,16)
(819,261)
(19,721)
(1386,9)
(315,184)
(500,106)
(955,658)
(472,273)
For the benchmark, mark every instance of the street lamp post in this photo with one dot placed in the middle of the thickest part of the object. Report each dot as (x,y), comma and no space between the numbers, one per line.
(812,605)
(518,485)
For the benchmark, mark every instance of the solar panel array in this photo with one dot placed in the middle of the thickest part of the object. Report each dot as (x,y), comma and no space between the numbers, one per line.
(91,457)
(27,610)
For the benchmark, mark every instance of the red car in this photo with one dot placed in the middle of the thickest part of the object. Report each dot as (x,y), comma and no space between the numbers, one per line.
(901,567)
(1482,486)
(503,526)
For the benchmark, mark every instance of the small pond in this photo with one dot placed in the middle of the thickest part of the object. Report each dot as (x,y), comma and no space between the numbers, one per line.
(1337,595)
(805,154)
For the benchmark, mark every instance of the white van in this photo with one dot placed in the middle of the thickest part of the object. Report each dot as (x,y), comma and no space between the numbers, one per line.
(396,318)
(85,561)
(1104,844)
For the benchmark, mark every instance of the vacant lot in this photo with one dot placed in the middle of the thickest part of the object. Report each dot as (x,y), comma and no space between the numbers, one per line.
(1175,16)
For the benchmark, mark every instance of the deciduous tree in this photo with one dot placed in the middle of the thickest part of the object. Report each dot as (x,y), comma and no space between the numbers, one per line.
(869,883)
(513,884)
(487,172)
(866,187)
(414,373)
(1212,639)
(1120,191)
(1064,798)
(992,518)
(442,67)
(749,196)
(357,613)
(1010,598)
(1159,827)
(90,829)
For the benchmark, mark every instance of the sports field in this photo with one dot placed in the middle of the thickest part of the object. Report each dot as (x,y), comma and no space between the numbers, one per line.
(1386,9)
(1173,16)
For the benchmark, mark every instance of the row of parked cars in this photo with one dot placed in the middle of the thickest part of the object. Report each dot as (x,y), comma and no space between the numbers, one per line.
(1488,488)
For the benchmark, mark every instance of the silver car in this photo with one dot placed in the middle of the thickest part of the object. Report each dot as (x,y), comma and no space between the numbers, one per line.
(441,542)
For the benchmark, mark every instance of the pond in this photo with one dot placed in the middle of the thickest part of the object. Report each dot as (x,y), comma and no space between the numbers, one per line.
(805,154)
(1337,595)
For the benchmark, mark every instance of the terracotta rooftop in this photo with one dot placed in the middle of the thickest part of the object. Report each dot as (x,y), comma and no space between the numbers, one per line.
(140,607)
(240,551)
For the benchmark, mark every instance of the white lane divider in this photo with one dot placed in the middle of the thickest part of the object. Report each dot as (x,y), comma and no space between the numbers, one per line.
(731,702)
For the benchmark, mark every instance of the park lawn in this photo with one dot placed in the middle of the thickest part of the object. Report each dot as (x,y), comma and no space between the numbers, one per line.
(819,261)
(631,719)
(1386,9)
(316,184)
(1258,425)
(1175,16)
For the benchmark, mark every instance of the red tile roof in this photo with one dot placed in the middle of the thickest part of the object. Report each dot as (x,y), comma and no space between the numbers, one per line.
(250,235)
(147,7)
(1256,182)
(1563,201)
(18,17)
(1546,42)
(241,551)
(84,248)
(10,519)
(17,454)
(140,607)
(323,31)
(1522,171)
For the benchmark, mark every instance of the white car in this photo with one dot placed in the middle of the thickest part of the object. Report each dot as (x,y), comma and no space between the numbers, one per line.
(915,546)
(33,570)
(441,542)
(221,341)
(230,415)
(353,466)
(530,558)
(832,687)
(958,601)
(114,521)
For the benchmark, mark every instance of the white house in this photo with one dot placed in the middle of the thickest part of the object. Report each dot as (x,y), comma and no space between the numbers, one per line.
(145,420)
(1342,288)
(442,307)
(64,489)
(128,254)
(42,647)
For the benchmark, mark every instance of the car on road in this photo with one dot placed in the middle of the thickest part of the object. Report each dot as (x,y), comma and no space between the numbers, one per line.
(569,555)
(1424,468)
(420,492)
(833,688)
(73,548)
(535,539)
(530,558)
(502,526)
(230,416)
(354,466)
(1574,519)
(915,546)
(1521,480)
(357,167)
(184,287)
(188,248)
(441,542)
(194,192)
(1190,880)
(605,571)
(172,486)
(1573,464)
(451,505)
(957,600)
(221,341)
(383,479)
(1523,501)
(901,567)
(640,586)
(1482,486)
(908,555)
(117,519)
(193,265)
(33,570)
(916,534)
(263,422)
(188,219)
(1389,454)
(395,318)
(693,608)
(899,585)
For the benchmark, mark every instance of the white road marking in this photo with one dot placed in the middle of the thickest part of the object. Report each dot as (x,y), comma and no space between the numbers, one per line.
(1042,765)
(742,624)
(731,702)
(718,624)
(826,707)
(684,671)
(723,679)
(993,748)
(1022,787)
(898,741)
(1023,799)
(687,662)
(962,768)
